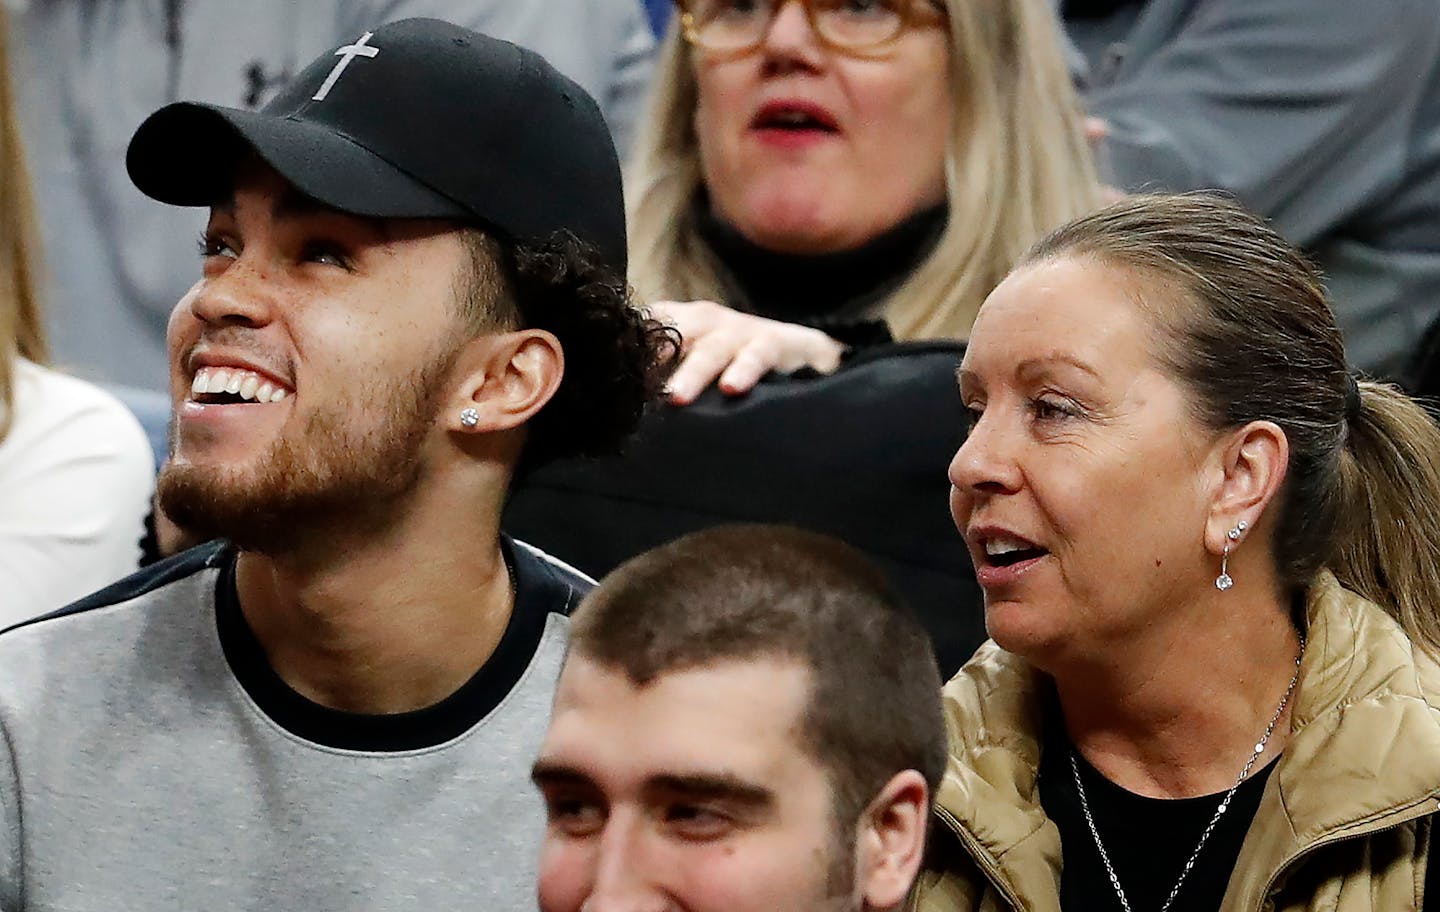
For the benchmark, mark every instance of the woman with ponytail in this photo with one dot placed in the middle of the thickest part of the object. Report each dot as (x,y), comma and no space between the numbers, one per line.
(1211,564)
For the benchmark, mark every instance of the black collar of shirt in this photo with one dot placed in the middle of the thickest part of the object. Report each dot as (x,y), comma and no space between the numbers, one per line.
(540,590)
(845,284)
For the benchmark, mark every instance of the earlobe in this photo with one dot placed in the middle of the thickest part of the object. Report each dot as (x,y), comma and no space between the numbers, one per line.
(516,375)
(891,841)
(1254,467)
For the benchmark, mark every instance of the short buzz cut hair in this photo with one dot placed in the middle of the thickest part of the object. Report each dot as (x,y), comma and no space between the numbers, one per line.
(744,592)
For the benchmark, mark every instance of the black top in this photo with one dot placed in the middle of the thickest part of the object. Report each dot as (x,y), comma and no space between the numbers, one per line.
(859,454)
(1148,839)
(1095,9)
(838,292)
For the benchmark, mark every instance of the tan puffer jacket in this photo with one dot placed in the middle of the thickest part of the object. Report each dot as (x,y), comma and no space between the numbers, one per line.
(1345,821)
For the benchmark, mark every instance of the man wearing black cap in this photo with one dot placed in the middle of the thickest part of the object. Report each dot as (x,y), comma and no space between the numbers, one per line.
(411,287)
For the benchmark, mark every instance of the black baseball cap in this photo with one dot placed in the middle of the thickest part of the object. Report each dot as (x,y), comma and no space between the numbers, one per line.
(417,119)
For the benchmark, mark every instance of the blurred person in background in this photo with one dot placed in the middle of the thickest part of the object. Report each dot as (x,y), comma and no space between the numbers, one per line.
(806,162)
(1211,562)
(90,72)
(659,12)
(813,179)
(76,471)
(1323,115)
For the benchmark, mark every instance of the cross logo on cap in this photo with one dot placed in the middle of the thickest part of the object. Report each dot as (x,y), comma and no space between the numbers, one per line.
(346,54)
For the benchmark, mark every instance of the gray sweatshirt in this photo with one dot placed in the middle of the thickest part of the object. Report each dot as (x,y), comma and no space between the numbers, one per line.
(151,759)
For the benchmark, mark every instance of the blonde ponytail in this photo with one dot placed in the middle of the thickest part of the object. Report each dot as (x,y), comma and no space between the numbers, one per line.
(1387,544)
(21,330)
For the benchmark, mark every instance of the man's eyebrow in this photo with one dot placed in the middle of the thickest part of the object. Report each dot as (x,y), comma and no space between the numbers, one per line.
(712,787)
(291,204)
(544,772)
(294,204)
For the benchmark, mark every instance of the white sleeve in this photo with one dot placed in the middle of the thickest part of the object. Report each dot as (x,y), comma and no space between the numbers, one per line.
(76,477)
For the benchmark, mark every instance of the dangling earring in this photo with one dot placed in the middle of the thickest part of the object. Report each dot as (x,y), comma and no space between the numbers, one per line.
(469,417)
(1223,581)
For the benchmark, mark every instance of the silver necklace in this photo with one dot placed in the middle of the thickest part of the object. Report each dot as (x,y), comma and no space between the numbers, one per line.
(1219,811)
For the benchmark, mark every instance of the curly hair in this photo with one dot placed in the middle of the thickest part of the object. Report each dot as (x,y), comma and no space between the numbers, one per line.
(617,358)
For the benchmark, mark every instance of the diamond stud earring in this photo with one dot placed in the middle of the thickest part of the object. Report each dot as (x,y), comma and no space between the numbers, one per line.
(469,417)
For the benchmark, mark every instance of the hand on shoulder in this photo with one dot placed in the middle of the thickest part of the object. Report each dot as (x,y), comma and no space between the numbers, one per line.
(735,349)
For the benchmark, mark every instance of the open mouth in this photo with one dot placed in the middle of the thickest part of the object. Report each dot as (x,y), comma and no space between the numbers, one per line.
(794,119)
(234,386)
(1007,552)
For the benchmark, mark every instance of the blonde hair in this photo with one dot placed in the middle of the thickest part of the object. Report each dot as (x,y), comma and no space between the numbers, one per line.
(1253,338)
(1018,165)
(22,331)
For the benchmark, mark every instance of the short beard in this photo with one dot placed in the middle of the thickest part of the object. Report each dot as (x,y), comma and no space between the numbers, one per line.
(331,477)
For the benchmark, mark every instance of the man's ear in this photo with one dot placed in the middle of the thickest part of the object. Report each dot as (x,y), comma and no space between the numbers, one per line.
(1253,464)
(507,378)
(890,843)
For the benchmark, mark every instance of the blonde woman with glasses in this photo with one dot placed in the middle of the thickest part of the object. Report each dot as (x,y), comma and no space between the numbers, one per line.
(813,166)
(75,468)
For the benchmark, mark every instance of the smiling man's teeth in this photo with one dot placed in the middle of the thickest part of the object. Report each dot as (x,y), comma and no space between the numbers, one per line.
(248,385)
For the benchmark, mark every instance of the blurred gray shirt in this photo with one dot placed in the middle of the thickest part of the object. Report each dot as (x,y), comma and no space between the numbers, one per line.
(1323,115)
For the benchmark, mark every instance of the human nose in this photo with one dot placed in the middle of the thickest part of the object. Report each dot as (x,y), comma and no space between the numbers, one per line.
(624,873)
(790,34)
(986,461)
(239,295)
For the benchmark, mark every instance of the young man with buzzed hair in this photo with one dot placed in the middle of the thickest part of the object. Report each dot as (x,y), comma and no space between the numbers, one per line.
(747,721)
(412,285)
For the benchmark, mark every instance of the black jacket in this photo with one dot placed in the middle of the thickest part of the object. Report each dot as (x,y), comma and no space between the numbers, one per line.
(860,454)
